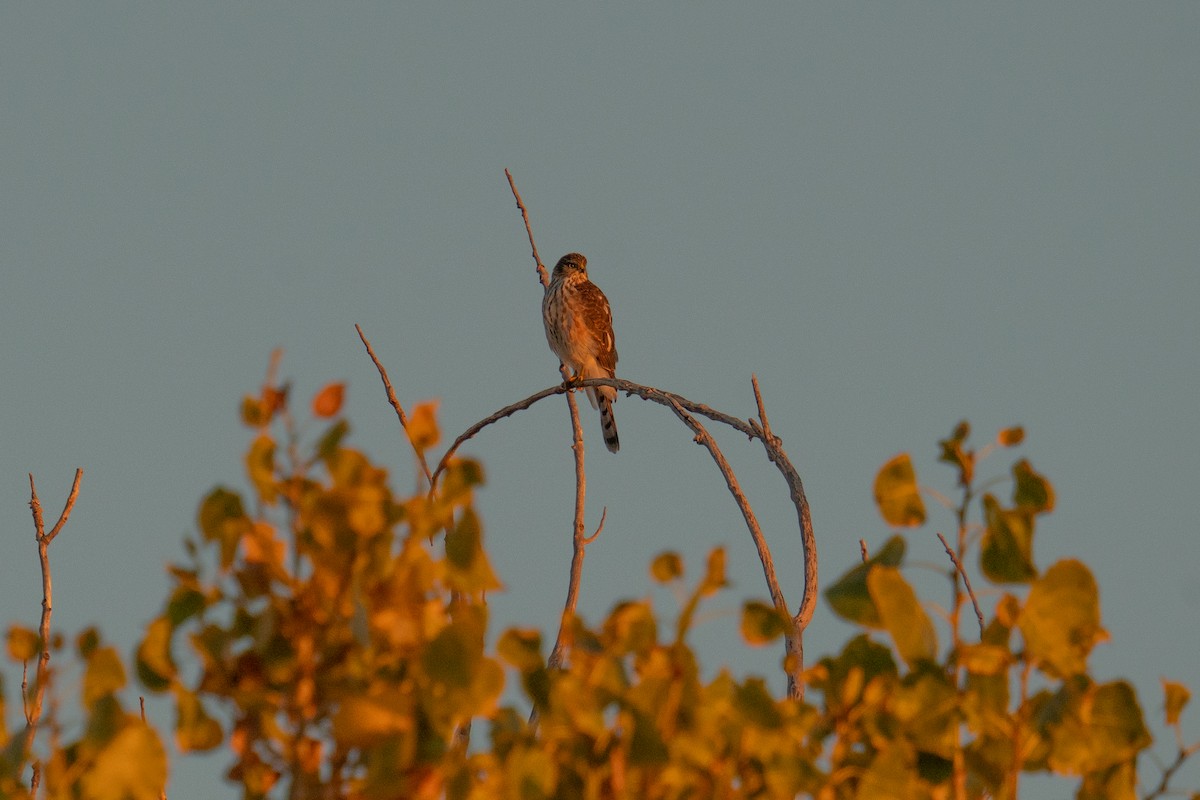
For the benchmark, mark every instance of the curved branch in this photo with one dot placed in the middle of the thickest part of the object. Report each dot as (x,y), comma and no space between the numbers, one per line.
(391,396)
(772,444)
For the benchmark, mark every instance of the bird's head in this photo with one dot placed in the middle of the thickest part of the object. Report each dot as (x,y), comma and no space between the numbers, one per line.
(570,264)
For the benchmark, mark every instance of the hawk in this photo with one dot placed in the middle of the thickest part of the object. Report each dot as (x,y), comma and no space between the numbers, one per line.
(579,328)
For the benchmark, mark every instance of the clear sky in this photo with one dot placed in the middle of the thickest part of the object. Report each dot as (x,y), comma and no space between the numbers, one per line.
(898,215)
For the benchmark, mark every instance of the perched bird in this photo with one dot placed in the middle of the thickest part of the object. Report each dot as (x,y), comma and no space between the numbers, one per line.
(579,328)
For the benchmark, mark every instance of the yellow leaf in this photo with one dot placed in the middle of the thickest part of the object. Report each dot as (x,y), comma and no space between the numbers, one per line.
(195,730)
(364,721)
(762,623)
(897,495)
(1031,491)
(902,615)
(328,401)
(714,574)
(260,465)
(1177,696)
(22,643)
(1061,619)
(155,667)
(104,675)
(522,648)
(132,767)
(1006,553)
(984,659)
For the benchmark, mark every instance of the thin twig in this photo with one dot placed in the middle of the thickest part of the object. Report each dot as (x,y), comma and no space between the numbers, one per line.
(862,546)
(541,268)
(1180,758)
(600,527)
(34,715)
(966,582)
(391,396)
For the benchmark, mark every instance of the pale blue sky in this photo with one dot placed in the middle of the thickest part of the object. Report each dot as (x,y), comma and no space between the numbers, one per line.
(897,215)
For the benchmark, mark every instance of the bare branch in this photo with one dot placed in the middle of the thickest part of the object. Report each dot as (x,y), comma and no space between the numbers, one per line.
(775,454)
(33,715)
(542,276)
(391,396)
(1180,758)
(579,540)
(966,582)
(600,527)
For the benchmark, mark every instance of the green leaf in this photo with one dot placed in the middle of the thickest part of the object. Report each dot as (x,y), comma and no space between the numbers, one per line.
(1061,619)
(1032,493)
(1006,553)
(132,767)
(902,615)
(1176,697)
(666,567)
(763,623)
(849,597)
(897,495)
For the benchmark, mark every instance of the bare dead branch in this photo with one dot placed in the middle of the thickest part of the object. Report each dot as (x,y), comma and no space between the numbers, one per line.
(33,715)
(541,268)
(966,581)
(752,429)
(391,396)
(1181,757)
(578,537)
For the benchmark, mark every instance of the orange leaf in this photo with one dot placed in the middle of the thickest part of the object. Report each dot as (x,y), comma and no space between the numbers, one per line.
(422,426)
(328,401)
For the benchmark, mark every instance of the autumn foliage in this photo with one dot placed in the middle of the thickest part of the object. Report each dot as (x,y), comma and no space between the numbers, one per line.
(332,639)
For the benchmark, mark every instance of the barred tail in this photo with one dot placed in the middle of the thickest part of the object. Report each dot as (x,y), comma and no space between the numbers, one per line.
(608,424)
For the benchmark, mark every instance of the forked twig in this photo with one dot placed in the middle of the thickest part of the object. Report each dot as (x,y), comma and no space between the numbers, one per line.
(33,714)
(752,429)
